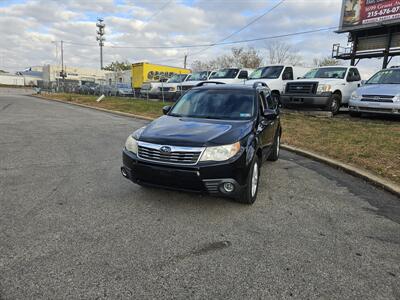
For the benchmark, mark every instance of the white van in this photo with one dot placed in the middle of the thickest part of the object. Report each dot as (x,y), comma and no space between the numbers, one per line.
(231,75)
(276,76)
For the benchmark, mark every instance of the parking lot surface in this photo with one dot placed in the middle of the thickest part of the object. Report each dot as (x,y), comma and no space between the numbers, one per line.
(72,227)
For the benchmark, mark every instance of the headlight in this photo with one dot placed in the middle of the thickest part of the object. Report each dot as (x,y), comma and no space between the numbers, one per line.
(220,153)
(322,88)
(355,96)
(131,144)
(396,98)
(172,89)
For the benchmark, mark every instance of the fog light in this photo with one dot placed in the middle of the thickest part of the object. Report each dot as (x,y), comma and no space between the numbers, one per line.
(229,187)
(124,172)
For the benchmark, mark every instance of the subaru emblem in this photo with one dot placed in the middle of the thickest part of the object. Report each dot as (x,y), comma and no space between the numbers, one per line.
(165,149)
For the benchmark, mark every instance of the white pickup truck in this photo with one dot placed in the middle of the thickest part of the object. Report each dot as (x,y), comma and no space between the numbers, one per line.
(193,80)
(231,75)
(275,76)
(328,88)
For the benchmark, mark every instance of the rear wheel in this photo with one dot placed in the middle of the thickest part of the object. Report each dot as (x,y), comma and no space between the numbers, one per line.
(251,191)
(334,104)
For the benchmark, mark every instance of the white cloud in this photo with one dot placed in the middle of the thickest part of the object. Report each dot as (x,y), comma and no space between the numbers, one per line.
(28,29)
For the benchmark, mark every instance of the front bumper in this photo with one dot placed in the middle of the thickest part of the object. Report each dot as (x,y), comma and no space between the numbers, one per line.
(206,178)
(169,95)
(374,107)
(301,100)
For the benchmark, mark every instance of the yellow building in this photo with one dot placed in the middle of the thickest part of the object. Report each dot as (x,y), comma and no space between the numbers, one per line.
(147,72)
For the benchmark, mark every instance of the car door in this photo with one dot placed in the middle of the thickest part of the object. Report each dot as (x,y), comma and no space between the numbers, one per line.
(353,81)
(265,128)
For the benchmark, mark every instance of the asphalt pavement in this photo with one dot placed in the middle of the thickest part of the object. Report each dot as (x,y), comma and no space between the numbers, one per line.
(72,227)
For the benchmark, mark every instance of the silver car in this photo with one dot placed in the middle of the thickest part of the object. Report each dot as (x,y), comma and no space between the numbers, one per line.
(380,94)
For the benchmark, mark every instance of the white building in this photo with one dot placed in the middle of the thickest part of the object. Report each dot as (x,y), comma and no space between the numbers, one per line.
(10,79)
(74,74)
(119,77)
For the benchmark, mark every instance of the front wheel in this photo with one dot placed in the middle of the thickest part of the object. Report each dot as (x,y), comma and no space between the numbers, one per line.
(251,190)
(276,149)
(334,104)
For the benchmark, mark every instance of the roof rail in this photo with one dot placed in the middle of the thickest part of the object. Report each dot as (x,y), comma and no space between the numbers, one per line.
(206,82)
(259,83)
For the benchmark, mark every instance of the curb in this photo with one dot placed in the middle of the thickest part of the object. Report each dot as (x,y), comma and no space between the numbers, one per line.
(373,179)
(97,108)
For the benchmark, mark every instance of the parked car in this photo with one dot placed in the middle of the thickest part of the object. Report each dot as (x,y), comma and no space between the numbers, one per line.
(123,90)
(88,88)
(328,88)
(195,79)
(380,94)
(168,90)
(231,75)
(275,76)
(214,139)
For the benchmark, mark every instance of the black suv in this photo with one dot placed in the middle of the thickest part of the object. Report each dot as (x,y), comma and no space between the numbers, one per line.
(213,139)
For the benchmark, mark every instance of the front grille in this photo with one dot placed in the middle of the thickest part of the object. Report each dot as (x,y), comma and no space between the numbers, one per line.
(176,155)
(186,87)
(301,87)
(165,89)
(377,98)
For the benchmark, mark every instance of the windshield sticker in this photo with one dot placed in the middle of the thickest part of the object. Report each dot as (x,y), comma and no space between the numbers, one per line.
(245,115)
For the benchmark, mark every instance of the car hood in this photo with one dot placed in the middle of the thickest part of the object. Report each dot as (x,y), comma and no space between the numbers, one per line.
(379,89)
(176,131)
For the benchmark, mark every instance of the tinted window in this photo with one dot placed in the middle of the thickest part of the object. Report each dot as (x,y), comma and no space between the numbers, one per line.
(225,73)
(270,72)
(336,72)
(288,74)
(353,75)
(198,76)
(243,75)
(216,104)
(391,76)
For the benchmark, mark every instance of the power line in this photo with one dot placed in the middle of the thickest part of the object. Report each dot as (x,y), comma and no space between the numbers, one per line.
(157,13)
(209,45)
(244,27)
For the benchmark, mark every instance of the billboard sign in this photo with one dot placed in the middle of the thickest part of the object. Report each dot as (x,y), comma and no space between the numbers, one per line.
(368,13)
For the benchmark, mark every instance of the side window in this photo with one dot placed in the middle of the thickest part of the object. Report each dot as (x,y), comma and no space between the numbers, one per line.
(243,75)
(287,74)
(270,102)
(357,76)
(261,101)
(353,75)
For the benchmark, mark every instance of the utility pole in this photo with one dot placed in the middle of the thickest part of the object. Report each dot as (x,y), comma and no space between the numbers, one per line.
(62,73)
(100,38)
(184,61)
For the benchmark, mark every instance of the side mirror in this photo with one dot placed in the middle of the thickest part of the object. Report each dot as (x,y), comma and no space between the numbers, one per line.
(270,114)
(363,82)
(166,109)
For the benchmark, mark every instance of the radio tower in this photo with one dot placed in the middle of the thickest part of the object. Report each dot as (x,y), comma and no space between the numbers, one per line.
(100,38)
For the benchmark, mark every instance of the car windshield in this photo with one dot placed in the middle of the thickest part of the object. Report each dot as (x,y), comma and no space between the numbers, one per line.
(225,73)
(198,76)
(326,73)
(271,72)
(123,86)
(391,76)
(177,78)
(216,104)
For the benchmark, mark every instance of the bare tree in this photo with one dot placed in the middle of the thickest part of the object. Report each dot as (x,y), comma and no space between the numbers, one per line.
(239,58)
(283,53)
(326,61)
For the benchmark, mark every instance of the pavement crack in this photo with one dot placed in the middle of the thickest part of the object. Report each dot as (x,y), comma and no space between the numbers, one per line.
(5,106)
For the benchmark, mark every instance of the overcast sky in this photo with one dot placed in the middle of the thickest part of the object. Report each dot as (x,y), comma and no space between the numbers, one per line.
(29,28)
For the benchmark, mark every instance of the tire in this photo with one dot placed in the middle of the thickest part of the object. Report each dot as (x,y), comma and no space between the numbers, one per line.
(249,195)
(274,155)
(354,114)
(334,104)
(276,98)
